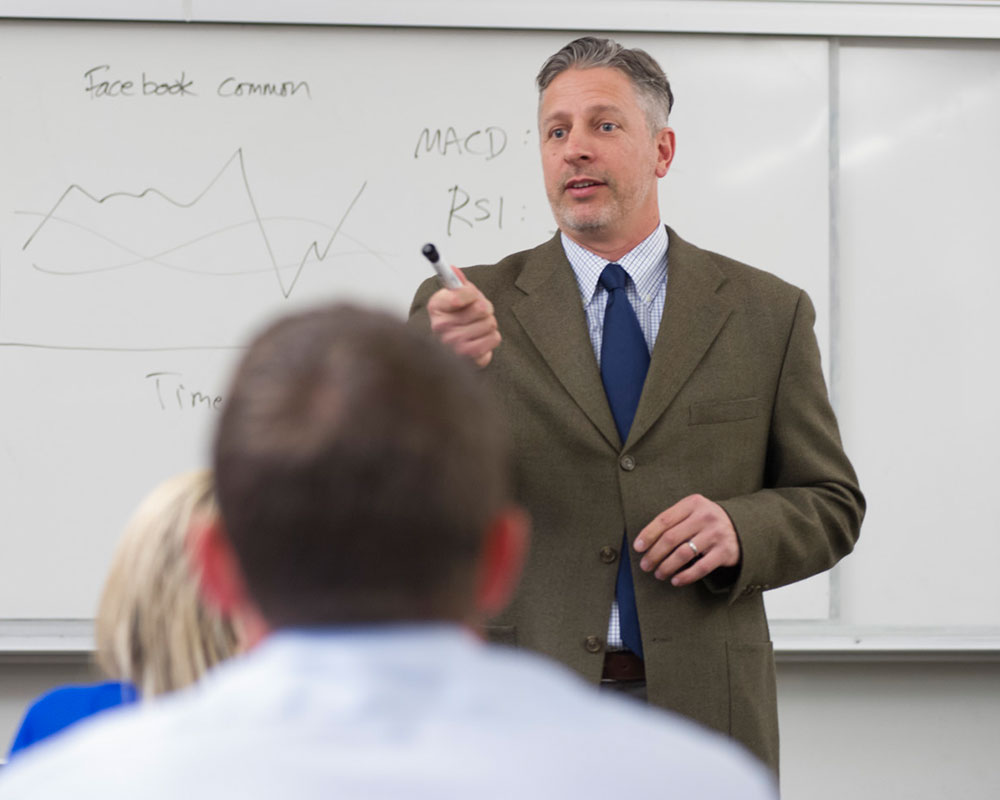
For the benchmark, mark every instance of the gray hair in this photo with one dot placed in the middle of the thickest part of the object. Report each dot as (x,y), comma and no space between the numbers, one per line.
(646,75)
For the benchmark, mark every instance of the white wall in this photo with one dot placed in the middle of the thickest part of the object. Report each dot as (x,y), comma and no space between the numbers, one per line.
(874,731)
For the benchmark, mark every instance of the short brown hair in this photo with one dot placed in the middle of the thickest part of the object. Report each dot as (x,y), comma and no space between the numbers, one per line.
(359,463)
(646,75)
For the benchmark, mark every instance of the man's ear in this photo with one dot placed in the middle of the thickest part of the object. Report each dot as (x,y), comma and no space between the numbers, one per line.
(666,146)
(221,582)
(504,549)
(220,579)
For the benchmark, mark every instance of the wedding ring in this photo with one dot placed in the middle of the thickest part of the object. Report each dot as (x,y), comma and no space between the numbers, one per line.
(694,547)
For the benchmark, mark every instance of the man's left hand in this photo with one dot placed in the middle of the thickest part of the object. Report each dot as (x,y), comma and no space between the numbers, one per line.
(667,541)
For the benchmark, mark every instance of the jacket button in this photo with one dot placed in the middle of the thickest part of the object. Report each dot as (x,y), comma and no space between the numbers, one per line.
(627,463)
(609,555)
(593,644)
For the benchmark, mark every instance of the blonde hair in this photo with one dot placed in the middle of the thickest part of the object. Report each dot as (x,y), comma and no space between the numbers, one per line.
(152,628)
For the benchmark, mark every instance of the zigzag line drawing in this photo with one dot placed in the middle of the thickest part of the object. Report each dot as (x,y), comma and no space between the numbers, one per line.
(314,249)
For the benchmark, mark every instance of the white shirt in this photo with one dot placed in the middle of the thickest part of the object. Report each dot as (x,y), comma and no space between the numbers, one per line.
(409,712)
(646,288)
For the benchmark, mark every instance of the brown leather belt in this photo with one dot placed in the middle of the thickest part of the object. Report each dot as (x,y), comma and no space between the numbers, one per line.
(623,666)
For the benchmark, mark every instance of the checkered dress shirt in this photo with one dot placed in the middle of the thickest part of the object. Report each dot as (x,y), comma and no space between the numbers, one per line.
(646,288)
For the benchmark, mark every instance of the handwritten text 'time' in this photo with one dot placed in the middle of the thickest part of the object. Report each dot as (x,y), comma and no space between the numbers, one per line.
(172,395)
(100,81)
(486,142)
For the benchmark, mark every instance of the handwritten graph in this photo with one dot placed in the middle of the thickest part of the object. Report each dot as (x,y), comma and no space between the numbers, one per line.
(216,232)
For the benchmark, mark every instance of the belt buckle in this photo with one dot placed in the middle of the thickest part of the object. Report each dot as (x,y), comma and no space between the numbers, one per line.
(622,666)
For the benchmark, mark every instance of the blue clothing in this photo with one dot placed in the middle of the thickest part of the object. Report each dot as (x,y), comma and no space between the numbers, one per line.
(61,707)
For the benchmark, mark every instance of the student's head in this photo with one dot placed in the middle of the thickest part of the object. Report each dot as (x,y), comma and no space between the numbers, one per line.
(152,628)
(362,478)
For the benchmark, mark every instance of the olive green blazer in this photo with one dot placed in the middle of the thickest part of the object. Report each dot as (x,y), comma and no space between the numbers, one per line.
(734,407)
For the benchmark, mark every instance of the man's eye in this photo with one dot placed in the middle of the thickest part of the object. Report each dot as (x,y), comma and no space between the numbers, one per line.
(558,133)
(607,127)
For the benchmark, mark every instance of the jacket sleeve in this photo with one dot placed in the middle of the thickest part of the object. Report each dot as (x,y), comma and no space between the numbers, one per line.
(808,515)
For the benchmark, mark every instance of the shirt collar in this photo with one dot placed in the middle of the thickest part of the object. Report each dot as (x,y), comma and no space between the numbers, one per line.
(646,265)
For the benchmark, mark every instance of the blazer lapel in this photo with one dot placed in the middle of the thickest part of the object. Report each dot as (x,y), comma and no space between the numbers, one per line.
(693,315)
(552,316)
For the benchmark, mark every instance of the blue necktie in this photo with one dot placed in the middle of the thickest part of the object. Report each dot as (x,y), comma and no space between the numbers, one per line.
(624,362)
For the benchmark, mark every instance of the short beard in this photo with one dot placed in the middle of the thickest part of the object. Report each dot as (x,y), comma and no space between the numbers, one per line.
(573,221)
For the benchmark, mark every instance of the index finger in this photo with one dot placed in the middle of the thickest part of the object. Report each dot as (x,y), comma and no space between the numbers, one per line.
(662,523)
(452,300)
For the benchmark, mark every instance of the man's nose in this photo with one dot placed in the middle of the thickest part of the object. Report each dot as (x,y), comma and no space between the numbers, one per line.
(579,146)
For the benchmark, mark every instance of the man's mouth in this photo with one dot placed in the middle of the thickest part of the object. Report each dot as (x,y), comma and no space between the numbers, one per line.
(582,187)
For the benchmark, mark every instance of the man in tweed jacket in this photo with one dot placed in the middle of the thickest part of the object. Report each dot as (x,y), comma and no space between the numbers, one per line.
(732,479)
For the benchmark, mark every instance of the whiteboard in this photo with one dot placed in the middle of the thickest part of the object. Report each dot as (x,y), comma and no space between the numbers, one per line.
(168,189)
(917,281)
(921,345)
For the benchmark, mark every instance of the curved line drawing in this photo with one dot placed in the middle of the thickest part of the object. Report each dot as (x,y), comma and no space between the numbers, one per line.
(156,258)
(203,273)
(313,249)
(152,257)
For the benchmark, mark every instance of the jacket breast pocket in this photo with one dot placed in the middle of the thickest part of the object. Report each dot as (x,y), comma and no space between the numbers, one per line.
(716,411)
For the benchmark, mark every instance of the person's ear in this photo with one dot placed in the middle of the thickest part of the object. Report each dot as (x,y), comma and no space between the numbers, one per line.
(504,549)
(220,580)
(666,146)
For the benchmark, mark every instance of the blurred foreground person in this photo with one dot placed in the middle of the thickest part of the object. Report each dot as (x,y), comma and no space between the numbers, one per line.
(366,532)
(153,634)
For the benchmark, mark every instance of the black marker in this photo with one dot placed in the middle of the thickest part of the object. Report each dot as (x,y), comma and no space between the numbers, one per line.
(445,273)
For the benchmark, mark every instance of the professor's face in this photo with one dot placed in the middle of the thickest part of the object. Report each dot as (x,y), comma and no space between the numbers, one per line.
(600,161)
